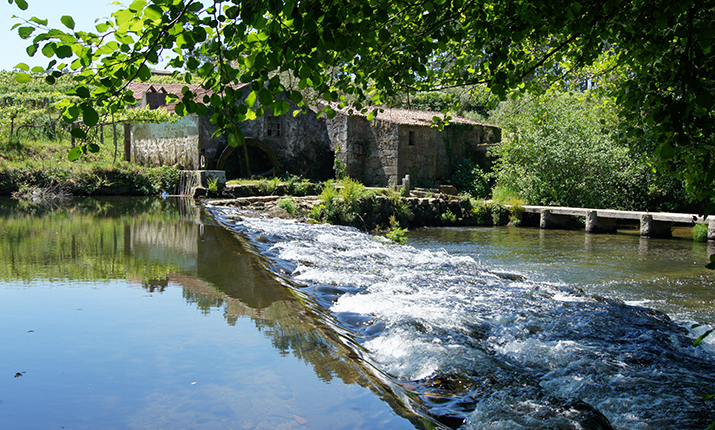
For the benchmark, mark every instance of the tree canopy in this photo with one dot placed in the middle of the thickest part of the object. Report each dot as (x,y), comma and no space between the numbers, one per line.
(655,57)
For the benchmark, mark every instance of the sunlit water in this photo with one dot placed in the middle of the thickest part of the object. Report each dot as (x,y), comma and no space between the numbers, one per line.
(476,330)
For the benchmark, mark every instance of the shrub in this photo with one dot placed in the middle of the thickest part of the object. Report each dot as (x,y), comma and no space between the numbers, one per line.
(287,205)
(470,179)
(499,213)
(563,149)
(700,232)
(396,233)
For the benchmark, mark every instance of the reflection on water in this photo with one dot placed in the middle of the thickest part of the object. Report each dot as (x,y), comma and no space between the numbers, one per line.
(495,336)
(96,323)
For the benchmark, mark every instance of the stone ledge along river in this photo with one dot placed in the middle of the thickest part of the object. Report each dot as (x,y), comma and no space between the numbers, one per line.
(468,344)
(148,313)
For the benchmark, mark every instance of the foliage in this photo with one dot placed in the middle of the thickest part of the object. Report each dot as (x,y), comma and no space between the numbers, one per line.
(700,232)
(500,213)
(43,165)
(28,112)
(506,196)
(351,191)
(473,101)
(470,179)
(562,149)
(448,217)
(396,233)
(212,185)
(287,205)
(654,57)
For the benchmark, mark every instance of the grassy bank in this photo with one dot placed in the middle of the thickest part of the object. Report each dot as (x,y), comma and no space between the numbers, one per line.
(44,165)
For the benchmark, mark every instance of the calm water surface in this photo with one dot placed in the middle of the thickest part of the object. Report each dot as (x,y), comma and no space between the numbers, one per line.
(149,313)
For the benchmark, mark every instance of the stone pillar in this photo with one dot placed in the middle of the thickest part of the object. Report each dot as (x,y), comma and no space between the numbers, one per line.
(711,230)
(552,221)
(406,184)
(655,229)
(594,224)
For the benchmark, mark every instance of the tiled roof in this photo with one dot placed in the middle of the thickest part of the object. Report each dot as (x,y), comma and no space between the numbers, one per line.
(410,117)
(139,88)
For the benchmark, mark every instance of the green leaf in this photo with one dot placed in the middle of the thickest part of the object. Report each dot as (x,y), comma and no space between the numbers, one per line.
(236,139)
(153,13)
(251,99)
(93,147)
(265,97)
(82,92)
(25,32)
(90,117)
(49,49)
(279,107)
(144,73)
(38,21)
(702,337)
(78,133)
(22,4)
(63,51)
(67,21)
(22,78)
(75,153)
(137,5)
(23,67)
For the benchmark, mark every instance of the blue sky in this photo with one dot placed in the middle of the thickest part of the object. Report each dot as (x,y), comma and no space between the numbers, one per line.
(83,12)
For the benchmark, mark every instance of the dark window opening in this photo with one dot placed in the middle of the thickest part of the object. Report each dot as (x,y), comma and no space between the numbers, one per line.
(411,139)
(273,126)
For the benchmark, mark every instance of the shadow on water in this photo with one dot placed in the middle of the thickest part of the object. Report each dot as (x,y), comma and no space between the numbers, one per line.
(157,243)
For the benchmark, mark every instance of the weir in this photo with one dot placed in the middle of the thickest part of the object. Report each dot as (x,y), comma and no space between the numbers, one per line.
(652,224)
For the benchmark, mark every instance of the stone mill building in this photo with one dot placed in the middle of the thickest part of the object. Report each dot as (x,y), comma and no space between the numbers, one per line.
(397,142)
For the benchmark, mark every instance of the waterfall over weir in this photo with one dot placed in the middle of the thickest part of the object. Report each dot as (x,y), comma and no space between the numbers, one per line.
(482,350)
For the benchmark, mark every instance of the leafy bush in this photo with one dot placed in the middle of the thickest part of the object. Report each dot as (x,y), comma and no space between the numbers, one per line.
(396,233)
(470,179)
(287,205)
(562,149)
(700,232)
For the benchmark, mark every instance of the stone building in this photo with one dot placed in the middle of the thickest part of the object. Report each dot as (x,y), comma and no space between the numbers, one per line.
(293,144)
(380,152)
(399,142)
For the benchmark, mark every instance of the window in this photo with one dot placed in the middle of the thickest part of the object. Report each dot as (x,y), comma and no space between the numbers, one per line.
(411,141)
(273,126)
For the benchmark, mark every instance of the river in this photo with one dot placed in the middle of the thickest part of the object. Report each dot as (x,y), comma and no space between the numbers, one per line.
(151,313)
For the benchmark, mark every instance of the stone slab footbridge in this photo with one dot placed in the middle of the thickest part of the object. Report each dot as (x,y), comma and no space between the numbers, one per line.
(652,224)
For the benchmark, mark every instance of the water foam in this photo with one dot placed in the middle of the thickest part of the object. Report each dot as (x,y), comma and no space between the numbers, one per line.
(496,352)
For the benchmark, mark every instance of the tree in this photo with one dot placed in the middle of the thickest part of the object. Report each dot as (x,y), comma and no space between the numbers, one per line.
(371,50)
(560,149)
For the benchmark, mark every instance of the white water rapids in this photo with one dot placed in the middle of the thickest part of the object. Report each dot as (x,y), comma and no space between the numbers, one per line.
(487,351)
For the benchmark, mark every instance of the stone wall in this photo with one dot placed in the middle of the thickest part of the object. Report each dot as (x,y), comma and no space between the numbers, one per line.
(367,151)
(301,147)
(166,144)
(422,155)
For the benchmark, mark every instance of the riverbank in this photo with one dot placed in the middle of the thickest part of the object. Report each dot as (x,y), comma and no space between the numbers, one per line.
(350,203)
(44,165)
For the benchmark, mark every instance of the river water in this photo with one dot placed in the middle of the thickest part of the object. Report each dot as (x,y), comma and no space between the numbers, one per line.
(150,313)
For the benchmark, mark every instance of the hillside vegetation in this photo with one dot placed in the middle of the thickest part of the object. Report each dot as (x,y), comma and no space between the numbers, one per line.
(35,145)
